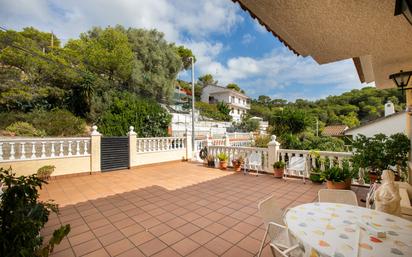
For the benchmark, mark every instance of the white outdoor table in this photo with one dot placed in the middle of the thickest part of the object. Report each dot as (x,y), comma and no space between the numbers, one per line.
(330,229)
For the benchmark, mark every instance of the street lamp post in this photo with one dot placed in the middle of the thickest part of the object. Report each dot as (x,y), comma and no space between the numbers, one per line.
(193,103)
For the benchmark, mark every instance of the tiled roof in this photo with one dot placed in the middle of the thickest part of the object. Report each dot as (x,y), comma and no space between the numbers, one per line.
(334,130)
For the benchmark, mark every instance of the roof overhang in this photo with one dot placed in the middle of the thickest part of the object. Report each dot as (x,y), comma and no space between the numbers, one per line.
(329,31)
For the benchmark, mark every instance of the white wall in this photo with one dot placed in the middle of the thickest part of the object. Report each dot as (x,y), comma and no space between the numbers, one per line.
(388,126)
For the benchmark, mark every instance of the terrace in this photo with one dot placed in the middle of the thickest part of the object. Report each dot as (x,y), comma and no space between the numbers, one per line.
(172,209)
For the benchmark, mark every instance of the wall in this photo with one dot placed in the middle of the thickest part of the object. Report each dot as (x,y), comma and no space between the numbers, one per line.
(159,157)
(388,126)
(64,166)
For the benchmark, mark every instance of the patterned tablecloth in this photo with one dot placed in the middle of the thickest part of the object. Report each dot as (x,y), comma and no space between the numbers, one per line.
(329,229)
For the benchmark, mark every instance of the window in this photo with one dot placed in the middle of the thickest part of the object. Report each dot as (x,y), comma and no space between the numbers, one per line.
(244,102)
(238,111)
(238,100)
(232,99)
(232,111)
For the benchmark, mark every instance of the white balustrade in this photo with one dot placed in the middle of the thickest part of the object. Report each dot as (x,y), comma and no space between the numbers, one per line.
(160,144)
(41,148)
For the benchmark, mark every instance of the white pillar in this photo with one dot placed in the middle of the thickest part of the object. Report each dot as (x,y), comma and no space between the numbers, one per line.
(132,147)
(95,138)
(190,153)
(273,151)
(227,139)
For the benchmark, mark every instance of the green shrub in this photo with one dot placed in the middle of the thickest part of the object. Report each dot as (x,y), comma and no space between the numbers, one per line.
(45,171)
(212,111)
(262,141)
(22,216)
(58,122)
(147,116)
(222,156)
(21,128)
(279,165)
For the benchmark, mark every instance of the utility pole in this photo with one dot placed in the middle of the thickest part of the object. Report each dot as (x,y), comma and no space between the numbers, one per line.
(317,127)
(193,103)
(52,40)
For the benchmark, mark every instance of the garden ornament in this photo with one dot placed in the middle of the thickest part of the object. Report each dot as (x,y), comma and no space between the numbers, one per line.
(387,197)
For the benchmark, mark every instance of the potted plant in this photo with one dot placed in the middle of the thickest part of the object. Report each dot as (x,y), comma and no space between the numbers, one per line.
(223,157)
(210,159)
(237,163)
(45,172)
(278,169)
(337,177)
(316,176)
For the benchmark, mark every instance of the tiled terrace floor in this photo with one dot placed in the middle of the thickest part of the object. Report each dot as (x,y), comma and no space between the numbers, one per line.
(174,209)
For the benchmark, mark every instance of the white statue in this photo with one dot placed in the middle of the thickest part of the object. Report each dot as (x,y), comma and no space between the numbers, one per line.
(387,198)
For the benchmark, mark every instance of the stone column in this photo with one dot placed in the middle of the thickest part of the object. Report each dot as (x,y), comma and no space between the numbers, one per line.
(227,139)
(132,147)
(409,128)
(95,138)
(190,153)
(273,151)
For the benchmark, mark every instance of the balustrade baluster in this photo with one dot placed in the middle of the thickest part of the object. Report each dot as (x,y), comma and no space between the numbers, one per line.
(158,144)
(33,150)
(77,147)
(12,152)
(340,162)
(85,147)
(22,151)
(43,150)
(52,151)
(61,151)
(70,148)
(1,151)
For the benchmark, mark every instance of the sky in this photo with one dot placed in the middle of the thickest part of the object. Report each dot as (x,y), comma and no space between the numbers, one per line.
(227,42)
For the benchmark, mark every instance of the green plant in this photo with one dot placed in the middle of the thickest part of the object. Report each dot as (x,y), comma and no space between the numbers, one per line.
(222,156)
(22,217)
(316,177)
(262,141)
(57,122)
(210,158)
(279,165)
(147,116)
(377,153)
(45,171)
(212,111)
(336,173)
(21,128)
(238,160)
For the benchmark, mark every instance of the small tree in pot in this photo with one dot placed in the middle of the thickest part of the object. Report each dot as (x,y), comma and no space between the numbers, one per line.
(279,169)
(210,159)
(223,157)
(238,162)
(337,177)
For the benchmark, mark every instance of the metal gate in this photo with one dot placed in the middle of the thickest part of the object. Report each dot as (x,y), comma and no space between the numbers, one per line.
(114,153)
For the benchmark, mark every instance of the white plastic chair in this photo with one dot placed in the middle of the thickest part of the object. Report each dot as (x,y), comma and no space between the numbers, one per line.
(338,196)
(275,227)
(277,251)
(297,166)
(253,161)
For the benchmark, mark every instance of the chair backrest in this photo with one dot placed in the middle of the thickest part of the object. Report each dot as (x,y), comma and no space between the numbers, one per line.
(338,196)
(255,158)
(270,212)
(297,163)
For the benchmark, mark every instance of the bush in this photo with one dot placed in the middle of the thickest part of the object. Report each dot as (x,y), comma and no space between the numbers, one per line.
(212,111)
(147,116)
(45,171)
(53,123)
(22,217)
(262,141)
(21,128)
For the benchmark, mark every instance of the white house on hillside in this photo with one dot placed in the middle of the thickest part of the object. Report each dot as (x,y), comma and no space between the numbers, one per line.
(392,123)
(238,102)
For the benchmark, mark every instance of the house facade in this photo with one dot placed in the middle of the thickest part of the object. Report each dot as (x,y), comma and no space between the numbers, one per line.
(238,103)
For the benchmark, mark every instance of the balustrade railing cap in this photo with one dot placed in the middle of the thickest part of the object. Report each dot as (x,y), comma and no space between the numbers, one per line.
(131,131)
(94,131)
(273,141)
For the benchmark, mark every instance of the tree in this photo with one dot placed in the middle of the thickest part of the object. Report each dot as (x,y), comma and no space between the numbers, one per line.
(206,80)
(235,87)
(223,108)
(264,100)
(185,54)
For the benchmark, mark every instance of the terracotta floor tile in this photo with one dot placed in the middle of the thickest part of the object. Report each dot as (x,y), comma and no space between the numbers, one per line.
(218,245)
(133,252)
(168,252)
(171,237)
(160,229)
(87,247)
(119,247)
(188,229)
(111,238)
(141,238)
(202,237)
(244,228)
(64,253)
(149,223)
(103,230)
(232,236)
(98,253)
(176,222)
(80,238)
(153,246)
(185,246)
(237,252)
(202,252)
(202,222)
(216,228)
(249,244)
(131,230)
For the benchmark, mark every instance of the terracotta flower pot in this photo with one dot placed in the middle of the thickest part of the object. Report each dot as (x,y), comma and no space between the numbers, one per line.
(223,165)
(278,173)
(236,166)
(339,185)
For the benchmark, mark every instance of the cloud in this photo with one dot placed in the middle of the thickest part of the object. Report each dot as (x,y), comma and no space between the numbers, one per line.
(247,39)
(175,18)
